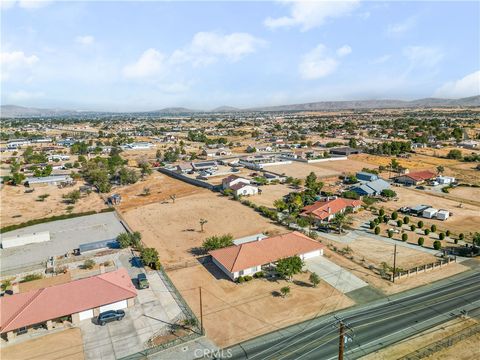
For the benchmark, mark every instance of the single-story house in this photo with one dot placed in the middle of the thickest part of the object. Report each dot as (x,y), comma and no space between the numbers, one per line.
(242,189)
(371,188)
(76,300)
(365,176)
(204,165)
(231,180)
(49,180)
(142,145)
(415,178)
(445,180)
(184,168)
(249,257)
(216,152)
(345,151)
(325,210)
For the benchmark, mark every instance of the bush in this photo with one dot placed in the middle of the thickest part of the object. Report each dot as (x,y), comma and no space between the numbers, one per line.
(455,241)
(350,195)
(406,220)
(461,236)
(448,233)
(433,228)
(385,219)
(372,225)
(31,277)
(420,224)
(381,212)
(247,277)
(437,245)
(426,231)
(413,227)
(404,237)
(240,279)
(394,215)
(388,193)
(259,274)
(88,264)
(390,233)
(399,223)
(377,230)
(420,241)
(441,236)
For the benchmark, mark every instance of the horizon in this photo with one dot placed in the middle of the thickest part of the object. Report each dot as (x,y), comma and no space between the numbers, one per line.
(130,57)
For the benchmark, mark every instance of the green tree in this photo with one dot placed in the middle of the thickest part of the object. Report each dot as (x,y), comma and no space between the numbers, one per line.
(440,169)
(290,266)
(454,154)
(433,228)
(461,236)
(123,240)
(314,279)
(372,225)
(280,205)
(404,237)
(145,168)
(217,242)
(390,233)
(406,220)
(399,223)
(377,230)
(420,224)
(441,236)
(285,291)
(420,241)
(426,231)
(437,245)
(150,257)
(73,196)
(394,215)
(341,220)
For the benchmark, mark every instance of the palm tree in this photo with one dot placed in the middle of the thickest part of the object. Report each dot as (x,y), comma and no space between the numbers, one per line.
(440,169)
(202,222)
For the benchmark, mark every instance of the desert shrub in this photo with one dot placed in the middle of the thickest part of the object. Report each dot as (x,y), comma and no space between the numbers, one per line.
(31,277)
(88,264)
(259,274)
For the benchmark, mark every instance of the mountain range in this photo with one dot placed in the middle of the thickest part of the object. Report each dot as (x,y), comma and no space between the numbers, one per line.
(13,111)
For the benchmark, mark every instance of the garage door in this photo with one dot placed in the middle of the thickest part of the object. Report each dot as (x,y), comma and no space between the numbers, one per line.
(87,314)
(115,306)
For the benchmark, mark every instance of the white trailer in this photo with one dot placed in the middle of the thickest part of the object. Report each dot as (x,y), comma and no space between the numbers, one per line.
(429,213)
(443,214)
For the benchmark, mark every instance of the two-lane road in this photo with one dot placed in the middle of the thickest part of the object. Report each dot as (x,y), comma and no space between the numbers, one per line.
(374,325)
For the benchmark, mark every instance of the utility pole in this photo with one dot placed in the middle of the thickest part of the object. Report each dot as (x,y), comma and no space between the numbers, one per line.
(341,340)
(394,261)
(201,311)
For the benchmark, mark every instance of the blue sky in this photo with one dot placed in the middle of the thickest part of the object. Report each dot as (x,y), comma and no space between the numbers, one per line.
(120,55)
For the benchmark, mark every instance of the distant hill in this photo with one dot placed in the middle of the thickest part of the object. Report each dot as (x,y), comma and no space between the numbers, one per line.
(20,111)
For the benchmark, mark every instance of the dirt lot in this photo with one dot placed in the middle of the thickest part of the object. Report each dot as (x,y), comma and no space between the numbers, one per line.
(64,345)
(270,193)
(463,350)
(400,285)
(14,201)
(465,219)
(464,192)
(349,166)
(161,187)
(251,308)
(174,229)
(301,170)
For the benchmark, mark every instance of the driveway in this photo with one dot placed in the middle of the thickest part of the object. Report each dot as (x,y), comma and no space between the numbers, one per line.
(333,274)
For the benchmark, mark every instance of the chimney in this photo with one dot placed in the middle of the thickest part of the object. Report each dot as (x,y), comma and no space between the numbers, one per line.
(329,210)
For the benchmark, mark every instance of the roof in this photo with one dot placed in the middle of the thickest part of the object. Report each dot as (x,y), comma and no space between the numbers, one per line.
(51,178)
(378,185)
(52,302)
(320,209)
(420,175)
(239,257)
(240,185)
(230,178)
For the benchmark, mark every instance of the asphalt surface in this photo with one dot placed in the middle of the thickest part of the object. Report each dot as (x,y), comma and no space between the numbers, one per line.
(373,326)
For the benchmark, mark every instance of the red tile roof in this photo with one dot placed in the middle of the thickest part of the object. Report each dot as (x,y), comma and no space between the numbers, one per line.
(38,306)
(322,209)
(247,255)
(421,175)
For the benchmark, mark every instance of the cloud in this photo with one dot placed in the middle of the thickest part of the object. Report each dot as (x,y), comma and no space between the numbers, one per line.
(311,14)
(344,50)
(207,47)
(402,27)
(15,61)
(22,95)
(24,4)
(317,64)
(85,39)
(465,87)
(423,56)
(150,63)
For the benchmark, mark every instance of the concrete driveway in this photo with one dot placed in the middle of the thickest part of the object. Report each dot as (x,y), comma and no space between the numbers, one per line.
(333,274)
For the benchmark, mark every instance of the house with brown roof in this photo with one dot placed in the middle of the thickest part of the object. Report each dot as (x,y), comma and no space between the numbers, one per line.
(325,210)
(73,301)
(250,257)
(415,178)
(240,186)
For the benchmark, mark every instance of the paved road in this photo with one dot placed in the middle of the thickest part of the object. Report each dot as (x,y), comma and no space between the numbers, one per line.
(375,325)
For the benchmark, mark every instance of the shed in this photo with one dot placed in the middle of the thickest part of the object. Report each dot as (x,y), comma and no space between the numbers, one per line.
(429,213)
(365,176)
(443,214)
(20,240)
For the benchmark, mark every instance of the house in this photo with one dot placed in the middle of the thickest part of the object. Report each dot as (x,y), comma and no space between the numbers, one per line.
(17,143)
(242,189)
(142,145)
(345,151)
(211,153)
(76,300)
(365,176)
(445,180)
(231,180)
(325,210)
(58,157)
(249,257)
(49,180)
(469,144)
(429,213)
(184,168)
(415,178)
(204,165)
(371,188)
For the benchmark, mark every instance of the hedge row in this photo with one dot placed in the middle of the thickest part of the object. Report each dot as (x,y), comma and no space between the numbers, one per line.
(52,218)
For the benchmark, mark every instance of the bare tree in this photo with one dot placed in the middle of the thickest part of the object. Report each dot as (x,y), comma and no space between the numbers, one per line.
(202,223)
(173,197)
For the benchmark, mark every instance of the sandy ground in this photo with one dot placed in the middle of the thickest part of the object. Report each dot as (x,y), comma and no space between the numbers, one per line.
(464,192)
(14,201)
(463,350)
(63,345)
(174,229)
(400,285)
(236,312)
(270,193)
(376,252)
(45,282)
(161,188)
(301,170)
(465,219)
(349,166)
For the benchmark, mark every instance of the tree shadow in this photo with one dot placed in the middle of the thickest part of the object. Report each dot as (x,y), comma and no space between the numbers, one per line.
(276,293)
(197,251)
(302,283)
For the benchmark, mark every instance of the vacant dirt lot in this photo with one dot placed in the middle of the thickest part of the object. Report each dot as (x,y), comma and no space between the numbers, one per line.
(14,202)
(62,345)
(270,193)
(236,312)
(464,192)
(465,219)
(349,166)
(174,228)
(161,188)
(301,170)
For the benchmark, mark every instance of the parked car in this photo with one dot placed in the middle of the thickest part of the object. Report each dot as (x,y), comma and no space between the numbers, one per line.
(109,316)
(142,281)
